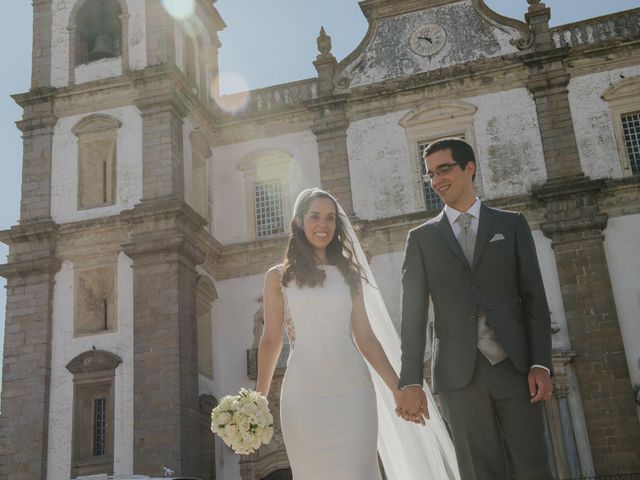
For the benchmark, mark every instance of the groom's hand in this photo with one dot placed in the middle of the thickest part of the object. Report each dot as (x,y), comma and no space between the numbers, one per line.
(540,385)
(411,404)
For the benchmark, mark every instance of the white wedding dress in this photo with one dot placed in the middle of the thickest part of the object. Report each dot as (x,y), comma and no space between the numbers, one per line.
(328,402)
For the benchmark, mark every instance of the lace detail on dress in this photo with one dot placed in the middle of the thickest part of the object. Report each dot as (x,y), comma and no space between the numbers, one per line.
(288,321)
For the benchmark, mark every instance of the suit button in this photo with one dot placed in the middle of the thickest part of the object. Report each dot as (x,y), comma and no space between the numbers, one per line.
(473,318)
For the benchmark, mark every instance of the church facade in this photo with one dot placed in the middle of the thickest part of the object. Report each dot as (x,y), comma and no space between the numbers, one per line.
(152,207)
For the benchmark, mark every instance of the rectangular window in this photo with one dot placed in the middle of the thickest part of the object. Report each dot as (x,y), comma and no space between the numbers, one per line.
(269,209)
(631,132)
(99,426)
(431,199)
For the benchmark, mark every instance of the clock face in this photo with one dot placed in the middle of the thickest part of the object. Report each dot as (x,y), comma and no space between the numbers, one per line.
(428,39)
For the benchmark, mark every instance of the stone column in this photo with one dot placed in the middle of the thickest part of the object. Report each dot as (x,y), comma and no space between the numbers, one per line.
(41,49)
(24,423)
(37,128)
(163,246)
(160,34)
(330,127)
(575,225)
(162,141)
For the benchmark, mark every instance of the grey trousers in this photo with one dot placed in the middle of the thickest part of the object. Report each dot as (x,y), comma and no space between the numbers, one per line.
(496,400)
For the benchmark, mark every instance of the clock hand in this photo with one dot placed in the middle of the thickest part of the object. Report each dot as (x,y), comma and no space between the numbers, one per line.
(426,38)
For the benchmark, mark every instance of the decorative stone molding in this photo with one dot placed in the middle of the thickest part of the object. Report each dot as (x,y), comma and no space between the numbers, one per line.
(437,119)
(623,98)
(266,165)
(93,361)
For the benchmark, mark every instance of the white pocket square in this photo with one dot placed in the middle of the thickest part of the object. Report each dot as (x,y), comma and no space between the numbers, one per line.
(496,237)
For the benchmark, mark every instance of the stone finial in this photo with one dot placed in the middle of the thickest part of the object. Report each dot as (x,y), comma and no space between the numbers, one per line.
(537,17)
(324,43)
(325,64)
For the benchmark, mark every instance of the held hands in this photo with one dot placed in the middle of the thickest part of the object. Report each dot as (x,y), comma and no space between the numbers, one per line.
(411,404)
(540,385)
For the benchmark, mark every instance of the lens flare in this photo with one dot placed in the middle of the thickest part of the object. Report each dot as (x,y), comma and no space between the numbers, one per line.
(179,9)
(231,82)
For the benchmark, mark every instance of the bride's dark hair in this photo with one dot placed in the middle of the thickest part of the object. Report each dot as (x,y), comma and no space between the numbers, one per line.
(299,261)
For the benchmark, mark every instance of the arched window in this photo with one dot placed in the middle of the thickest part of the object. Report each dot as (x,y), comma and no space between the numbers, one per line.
(93,412)
(98,31)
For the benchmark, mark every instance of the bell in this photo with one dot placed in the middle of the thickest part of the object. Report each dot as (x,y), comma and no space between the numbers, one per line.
(102,47)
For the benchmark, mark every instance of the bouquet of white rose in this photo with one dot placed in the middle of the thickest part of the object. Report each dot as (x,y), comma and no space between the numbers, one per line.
(243,421)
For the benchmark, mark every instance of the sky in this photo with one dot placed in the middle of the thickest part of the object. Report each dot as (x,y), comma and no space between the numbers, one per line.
(265,43)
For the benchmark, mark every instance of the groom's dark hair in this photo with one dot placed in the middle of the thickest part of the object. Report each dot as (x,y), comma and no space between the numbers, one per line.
(461,151)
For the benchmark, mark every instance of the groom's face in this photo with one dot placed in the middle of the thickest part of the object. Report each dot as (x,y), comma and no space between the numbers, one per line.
(453,184)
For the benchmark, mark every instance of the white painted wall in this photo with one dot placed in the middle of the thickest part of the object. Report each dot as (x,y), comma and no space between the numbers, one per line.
(228,186)
(383,177)
(233,335)
(551,280)
(61,11)
(621,248)
(65,347)
(385,181)
(592,122)
(64,177)
(508,143)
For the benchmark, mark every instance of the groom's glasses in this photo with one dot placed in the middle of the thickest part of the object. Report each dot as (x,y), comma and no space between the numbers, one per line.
(440,171)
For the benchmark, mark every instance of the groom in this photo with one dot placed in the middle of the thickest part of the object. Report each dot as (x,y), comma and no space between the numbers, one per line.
(492,337)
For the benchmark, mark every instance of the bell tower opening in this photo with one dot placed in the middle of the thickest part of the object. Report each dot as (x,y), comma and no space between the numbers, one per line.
(98,31)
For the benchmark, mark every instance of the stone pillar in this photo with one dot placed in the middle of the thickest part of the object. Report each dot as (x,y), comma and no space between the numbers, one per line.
(160,32)
(575,225)
(162,142)
(167,425)
(41,49)
(37,128)
(24,423)
(330,127)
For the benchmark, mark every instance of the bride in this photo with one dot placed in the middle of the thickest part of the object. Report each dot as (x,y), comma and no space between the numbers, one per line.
(325,297)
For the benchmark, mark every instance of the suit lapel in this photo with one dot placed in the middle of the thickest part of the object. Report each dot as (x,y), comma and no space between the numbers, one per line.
(485,223)
(444,228)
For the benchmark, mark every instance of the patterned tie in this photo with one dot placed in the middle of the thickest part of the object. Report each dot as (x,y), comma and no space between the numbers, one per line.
(467,238)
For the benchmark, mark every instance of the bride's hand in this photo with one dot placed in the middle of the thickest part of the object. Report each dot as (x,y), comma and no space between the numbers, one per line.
(411,404)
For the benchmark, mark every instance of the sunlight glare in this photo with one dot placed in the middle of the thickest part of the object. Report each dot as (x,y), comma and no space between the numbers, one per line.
(179,9)
(231,82)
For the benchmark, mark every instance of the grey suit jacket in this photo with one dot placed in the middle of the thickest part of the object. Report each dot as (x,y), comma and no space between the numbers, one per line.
(504,283)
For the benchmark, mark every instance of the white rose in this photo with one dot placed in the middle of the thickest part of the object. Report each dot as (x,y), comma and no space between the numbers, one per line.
(223,418)
(230,429)
(244,425)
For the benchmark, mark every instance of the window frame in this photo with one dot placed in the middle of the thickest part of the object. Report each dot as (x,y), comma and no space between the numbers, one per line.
(434,120)
(623,99)
(91,129)
(93,377)
(265,166)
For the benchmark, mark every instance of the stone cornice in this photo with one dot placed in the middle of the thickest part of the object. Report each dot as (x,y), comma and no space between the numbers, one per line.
(164,226)
(29,231)
(47,265)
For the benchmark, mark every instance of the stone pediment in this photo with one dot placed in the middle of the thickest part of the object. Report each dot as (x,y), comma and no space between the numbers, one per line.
(409,37)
